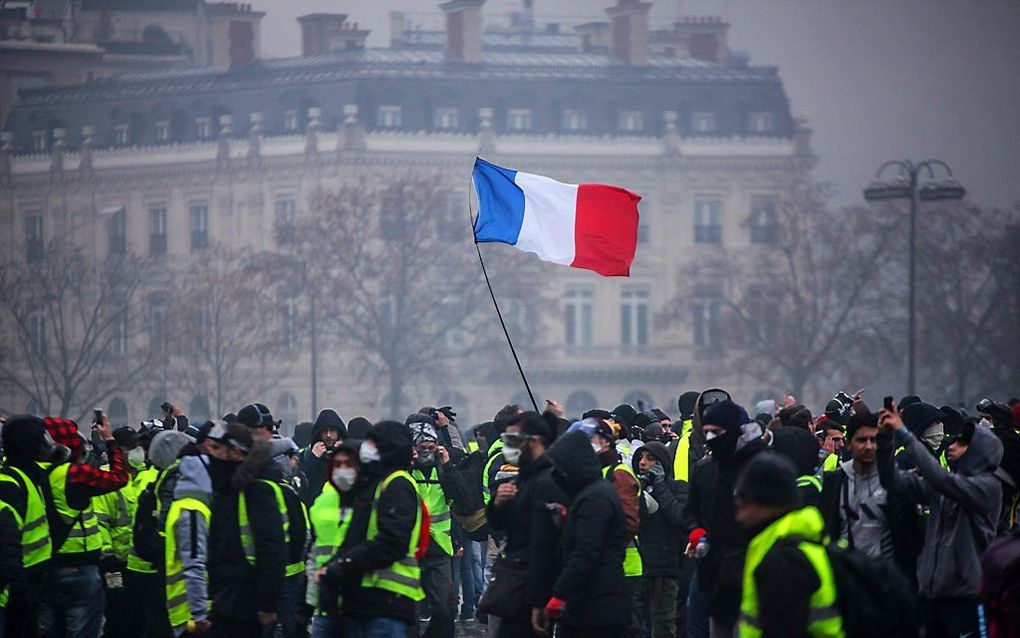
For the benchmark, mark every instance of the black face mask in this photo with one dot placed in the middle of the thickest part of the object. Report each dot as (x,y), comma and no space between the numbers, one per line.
(724,445)
(561,481)
(220,471)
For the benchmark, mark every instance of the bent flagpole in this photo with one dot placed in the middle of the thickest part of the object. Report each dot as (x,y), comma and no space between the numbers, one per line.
(502,323)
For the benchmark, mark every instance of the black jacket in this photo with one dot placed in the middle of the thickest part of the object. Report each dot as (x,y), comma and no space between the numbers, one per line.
(10,549)
(662,537)
(239,590)
(531,536)
(594,539)
(316,469)
(397,510)
(720,572)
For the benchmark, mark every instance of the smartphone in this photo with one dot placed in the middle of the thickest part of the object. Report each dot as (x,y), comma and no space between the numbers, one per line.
(97,416)
(887,403)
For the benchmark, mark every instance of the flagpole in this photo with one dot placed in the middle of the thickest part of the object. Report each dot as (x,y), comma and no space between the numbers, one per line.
(492,294)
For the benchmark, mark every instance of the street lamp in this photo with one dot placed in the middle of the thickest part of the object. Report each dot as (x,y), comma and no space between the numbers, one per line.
(906,186)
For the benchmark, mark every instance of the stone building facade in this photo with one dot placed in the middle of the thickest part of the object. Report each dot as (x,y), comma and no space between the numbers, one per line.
(174,160)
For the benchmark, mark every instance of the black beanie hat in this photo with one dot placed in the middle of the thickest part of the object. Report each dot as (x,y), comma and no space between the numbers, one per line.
(624,415)
(255,415)
(768,479)
(952,420)
(687,402)
(907,400)
(726,414)
(24,438)
(918,416)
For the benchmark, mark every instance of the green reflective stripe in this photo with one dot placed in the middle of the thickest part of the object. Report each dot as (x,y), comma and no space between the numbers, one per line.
(247,538)
(404,576)
(824,620)
(293,569)
(36,545)
(809,480)
(176,589)
(439,518)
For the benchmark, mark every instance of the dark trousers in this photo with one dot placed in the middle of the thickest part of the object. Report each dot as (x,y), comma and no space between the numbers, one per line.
(119,601)
(655,605)
(437,581)
(231,629)
(73,602)
(593,632)
(22,613)
(951,618)
(146,611)
(291,600)
(517,627)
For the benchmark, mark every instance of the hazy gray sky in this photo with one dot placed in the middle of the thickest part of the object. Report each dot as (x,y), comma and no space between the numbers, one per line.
(877,79)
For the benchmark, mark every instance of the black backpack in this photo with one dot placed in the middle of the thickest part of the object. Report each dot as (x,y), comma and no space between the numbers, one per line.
(874,598)
(463,485)
(145,531)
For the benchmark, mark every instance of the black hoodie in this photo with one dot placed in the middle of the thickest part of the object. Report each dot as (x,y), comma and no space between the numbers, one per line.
(593,541)
(239,590)
(662,537)
(396,513)
(316,469)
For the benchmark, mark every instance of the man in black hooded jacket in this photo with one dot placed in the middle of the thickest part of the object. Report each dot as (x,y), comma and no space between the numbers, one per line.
(246,563)
(659,539)
(328,432)
(385,451)
(590,594)
(519,511)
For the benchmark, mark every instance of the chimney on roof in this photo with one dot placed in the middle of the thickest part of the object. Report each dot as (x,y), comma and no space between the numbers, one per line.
(463,30)
(628,22)
(325,32)
(398,24)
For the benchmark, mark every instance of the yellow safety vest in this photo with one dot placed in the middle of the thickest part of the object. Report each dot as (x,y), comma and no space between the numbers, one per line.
(139,484)
(5,594)
(632,565)
(404,576)
(36,546)
(831,462)
(824,620)
(176,590)
(432,493)
(495,452)
(84,535)
(244,522)
(682,458)
(330,523)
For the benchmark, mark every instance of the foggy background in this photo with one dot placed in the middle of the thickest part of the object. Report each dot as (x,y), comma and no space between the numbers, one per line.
(877,79)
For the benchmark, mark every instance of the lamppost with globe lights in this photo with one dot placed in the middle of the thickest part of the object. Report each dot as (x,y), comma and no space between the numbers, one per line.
(907,186)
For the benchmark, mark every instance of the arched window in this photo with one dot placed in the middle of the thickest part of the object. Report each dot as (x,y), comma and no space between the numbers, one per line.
(198,410)
(580,402)
(288,413)
(640,400)
(118,412)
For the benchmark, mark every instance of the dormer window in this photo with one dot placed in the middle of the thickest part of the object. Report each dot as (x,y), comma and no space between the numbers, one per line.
(574,120)
(203,128)
(760,122)
(518,119)
(703,122)
(290,120)
(163,131)
(120,135)
(39,141)
(389,117)
(632,121)
(446,117)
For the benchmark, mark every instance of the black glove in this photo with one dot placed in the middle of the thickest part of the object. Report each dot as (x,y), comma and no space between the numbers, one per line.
(334,575)
(655,474)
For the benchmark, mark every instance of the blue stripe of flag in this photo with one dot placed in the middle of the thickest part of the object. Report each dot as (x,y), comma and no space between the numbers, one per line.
(500,203)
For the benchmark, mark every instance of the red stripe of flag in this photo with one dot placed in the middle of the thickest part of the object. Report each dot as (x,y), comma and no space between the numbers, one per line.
(605,233)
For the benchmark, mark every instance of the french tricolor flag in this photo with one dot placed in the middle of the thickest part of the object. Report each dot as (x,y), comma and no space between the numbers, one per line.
(591,226)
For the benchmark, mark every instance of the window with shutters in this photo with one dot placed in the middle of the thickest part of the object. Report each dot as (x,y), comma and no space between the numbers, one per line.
(199,218)
(634,316)
(707,221)
(579,316)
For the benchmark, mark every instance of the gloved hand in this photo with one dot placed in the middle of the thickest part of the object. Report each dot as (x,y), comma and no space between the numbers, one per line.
(656,473)
(555,607)
(333,574)
(558,513)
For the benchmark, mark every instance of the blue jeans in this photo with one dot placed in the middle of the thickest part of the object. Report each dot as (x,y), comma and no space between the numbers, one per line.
(291,597)
(322,627)
(372,628)
(465,587)
(697,610)
(73,603)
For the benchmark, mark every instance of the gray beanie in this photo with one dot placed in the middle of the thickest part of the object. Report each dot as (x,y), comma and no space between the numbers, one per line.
(166,446)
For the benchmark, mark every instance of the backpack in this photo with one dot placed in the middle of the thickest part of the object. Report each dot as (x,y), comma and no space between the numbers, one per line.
(1000,586)
(874,598)
(145,531)
(464,488)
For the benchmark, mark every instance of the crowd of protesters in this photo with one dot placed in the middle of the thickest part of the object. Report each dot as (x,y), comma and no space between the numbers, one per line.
(865,520)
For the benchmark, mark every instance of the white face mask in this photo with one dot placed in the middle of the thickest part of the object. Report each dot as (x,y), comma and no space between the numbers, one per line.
(344,477)
(512,455)
(369,452)
(933,436)
(597,448)
(985,422)
(709,435)
(136,456)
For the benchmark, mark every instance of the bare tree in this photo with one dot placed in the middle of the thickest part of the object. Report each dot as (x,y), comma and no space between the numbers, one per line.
(802,298)
(70,336)
(227,334)
(398,282)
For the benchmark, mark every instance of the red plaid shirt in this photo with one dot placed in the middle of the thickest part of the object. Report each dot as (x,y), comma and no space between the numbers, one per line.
(85,481)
